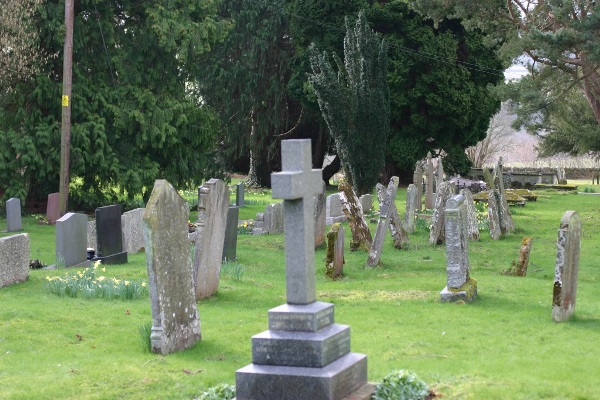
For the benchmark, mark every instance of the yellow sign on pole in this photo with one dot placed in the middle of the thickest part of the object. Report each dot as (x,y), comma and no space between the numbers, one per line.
(65,101)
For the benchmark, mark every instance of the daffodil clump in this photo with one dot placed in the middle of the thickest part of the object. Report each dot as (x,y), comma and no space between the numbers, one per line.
(88,284)
(245,228)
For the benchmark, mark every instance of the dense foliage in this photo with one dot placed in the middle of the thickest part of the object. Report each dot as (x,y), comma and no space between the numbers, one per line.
(133,120)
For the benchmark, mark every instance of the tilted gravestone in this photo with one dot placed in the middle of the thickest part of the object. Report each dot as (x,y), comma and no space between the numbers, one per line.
(319,217)
(472,223)
(239,194)
(399,235)
(334,259)
(361,236)
(411,207)
(459,286)
(429,196)
(52,209)
(494,215)
(175,317)
(14,259)
(333,209)
(132,225)
(213,205)
(13,215)
(387,212)
(418,181)
(507,225)
(231,232)
(304,354)
(71,240)
(109,235)
(437,232)
(567,267)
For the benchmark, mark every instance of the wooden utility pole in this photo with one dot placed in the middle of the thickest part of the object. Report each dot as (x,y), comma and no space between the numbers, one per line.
(65,137)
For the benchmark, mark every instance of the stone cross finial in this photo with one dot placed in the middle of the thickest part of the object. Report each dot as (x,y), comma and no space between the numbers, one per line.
(296,184)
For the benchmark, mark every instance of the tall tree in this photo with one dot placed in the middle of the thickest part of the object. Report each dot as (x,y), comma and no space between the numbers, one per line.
(133,118)
(354,101)
(559,38)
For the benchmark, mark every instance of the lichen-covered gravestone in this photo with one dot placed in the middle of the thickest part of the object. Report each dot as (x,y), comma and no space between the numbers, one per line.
(472,223)
(567,267)
(437,232)
(429,196)
(175,318)
(319,217)
(304,354)
(507,225)
(133,232)
(334,259)
(14,259)
(361,236)
(494,215)
(213,205)
(460,286)
(418,181)
(411,208)
(333,209)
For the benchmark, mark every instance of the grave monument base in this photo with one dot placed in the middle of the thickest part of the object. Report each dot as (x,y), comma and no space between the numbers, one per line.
(84,264)
(466,292)
(117,258)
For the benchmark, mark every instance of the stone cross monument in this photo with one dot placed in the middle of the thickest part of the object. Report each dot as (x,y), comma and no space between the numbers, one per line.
(304,354)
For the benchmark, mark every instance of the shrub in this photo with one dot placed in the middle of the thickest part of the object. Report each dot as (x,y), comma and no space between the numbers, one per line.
(401,385)
(220,392)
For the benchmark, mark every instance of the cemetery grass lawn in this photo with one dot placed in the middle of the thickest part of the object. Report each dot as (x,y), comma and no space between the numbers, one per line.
(504,345)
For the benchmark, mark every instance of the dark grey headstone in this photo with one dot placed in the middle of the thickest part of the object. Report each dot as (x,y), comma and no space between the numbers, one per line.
(13,215)
(429,195)
(239,194)
(14,259)
(319,217)
(109,235)
(71,240)
(567,267)
(175,317)
(231,231)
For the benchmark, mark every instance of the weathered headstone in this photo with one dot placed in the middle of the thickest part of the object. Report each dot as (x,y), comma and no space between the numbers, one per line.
(14,259)
(92,238)
(437,232)
(304,354)
(319,217)
(472,223)
(334,259)
(361,236)
(429,196)
(213,204)
(418,181)
(13,215)
(52,209)
(132,224)
(231,231)
(507,225)
(109,235)
(519,268)
(567,267)
(411,207)
(71,241)
(439,176)
(333,209)
(494,215)
(399,235)
(239,194)
(460,285)
(175,318)
(366,202)
(273,218)
(387,207)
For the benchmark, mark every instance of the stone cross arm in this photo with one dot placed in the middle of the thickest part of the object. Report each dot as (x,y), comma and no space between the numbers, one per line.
(297,180)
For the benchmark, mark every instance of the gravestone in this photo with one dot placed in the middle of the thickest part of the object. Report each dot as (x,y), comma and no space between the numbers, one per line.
(567,267)
(387,207)
(429,196)
(13,215)
(460,286)
(213,205)
(399,235)
(175,318)
(71,241)
(239,194)
(437,232)
(91,235)
(472,223)
(333,209)
(494,215)
(14,259)
(411,207)
(439,176)
(304,354)
(366,202)
(273,218)
(132,224)
(418,181)
(109,235)
(334,259)
(507,225)
(231,232)
(361,236)
(319,217)
(52,209)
